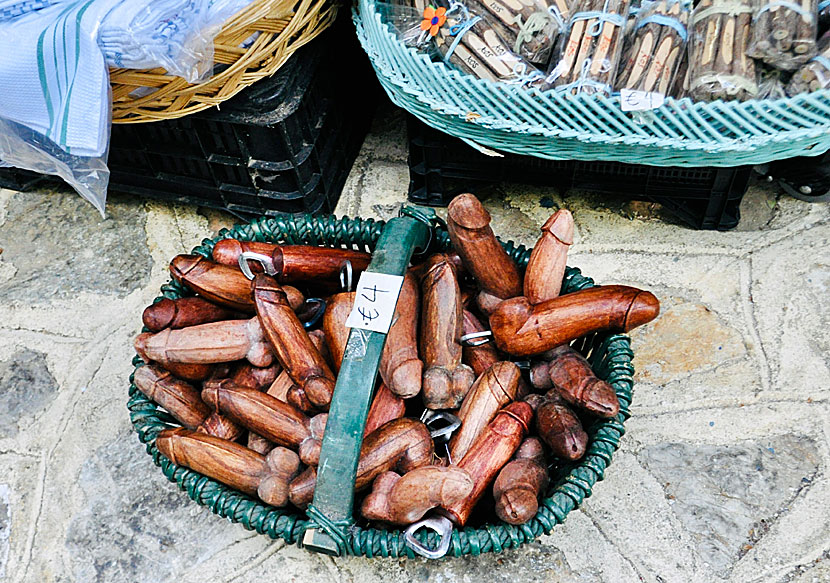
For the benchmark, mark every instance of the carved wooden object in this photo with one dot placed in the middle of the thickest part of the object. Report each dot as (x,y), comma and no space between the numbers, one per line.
(560,428)
(446,381)
(385,407)
(546,266)
(401,445)
(468,223)
(489,453)
(404,500)
(492,390)
(338,308)
(207,343)
(572,377)
(278,422)
(221,284)
(194,372)
(294,349)
(231,463)
(181,399)
(295,263)
(520,483)
(184,312)
(255,377)
(483,356)
(522,329)
(400,367)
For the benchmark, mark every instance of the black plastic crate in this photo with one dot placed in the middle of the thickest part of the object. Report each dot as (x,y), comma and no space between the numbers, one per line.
(806,177)
(441,166)
(284,145)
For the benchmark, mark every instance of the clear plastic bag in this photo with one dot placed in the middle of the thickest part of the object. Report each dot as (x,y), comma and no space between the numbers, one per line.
(25,148)
(653,52)
(784,33)
(680,87)
(55,107)
(814,75)
(719,67)
(176,35)
(771,84)
(591,47)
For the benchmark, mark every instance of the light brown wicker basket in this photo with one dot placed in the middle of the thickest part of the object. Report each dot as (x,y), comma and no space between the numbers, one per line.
(284,26)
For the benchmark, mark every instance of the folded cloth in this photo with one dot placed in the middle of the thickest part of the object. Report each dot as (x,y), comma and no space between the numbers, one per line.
(54,77)
(54,73)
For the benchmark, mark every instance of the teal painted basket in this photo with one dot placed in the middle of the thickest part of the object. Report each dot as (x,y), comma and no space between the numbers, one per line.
(609,355)
(565,127)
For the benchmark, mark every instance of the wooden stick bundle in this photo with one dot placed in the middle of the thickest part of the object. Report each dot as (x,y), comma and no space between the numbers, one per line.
(783,36)
(653,52)
(590,51)
(813,76)
(478,49)
(530,27)
(719,66)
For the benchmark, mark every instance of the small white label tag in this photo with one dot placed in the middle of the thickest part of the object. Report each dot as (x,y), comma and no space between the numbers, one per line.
(631,100)
(374,302)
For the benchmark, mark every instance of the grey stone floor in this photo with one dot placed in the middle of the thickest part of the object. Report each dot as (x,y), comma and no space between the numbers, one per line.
(722,476)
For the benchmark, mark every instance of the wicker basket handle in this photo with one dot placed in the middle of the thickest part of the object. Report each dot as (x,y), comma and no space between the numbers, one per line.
(330,514)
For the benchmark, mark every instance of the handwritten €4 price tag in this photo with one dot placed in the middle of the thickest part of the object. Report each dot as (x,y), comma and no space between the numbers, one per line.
(631,100)
(374,301)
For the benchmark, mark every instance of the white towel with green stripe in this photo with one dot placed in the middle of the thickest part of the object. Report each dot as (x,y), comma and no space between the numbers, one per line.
(53,60)
(54,77)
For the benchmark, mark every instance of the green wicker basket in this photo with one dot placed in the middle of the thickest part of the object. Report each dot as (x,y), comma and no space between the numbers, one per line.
(609,355)
(590,127)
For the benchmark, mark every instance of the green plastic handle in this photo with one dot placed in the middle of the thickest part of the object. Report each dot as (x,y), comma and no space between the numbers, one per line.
(331,511)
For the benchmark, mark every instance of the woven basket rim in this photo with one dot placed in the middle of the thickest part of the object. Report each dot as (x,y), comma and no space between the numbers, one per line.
(298,22)
(610,356)
(444,98)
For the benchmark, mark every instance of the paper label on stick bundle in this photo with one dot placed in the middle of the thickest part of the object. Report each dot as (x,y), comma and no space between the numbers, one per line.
(375,300)
(631,100)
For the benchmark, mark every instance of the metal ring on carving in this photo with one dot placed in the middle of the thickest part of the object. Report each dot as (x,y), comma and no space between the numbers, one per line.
(442,433)
(346,276)
(266,262)
(441,526)
(476,338)
(317,315)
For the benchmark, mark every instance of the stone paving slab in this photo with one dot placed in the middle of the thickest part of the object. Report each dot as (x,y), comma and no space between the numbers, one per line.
(721,476)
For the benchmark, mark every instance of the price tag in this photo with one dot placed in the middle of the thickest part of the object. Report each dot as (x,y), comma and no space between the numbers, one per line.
(374,302)
(632,100)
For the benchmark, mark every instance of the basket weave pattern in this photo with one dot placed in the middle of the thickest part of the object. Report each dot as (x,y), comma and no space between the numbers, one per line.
(557,126)
(283,27)
(609,355)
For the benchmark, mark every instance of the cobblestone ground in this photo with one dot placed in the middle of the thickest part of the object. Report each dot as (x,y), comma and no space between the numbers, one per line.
(722,476)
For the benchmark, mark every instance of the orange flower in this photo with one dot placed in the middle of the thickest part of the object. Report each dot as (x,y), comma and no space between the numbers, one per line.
(433,19)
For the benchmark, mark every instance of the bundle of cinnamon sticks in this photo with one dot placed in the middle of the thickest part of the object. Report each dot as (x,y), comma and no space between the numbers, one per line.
(475,45)
(655,48)
(248,369)
(813,76)
(719,65)
(591,48)
(784,33)
(530,27)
